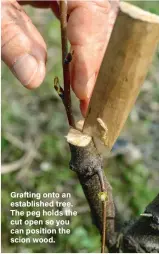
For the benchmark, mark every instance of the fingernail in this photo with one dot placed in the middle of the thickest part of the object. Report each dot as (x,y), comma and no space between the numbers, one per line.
(84,107)
(25,68)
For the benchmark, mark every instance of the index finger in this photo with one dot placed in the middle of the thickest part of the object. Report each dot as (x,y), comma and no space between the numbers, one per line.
(89,27)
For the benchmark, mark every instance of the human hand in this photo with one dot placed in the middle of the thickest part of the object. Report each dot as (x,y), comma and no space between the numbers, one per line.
(89,26)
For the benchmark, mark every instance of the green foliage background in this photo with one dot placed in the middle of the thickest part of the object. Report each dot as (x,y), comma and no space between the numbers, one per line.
(36,119)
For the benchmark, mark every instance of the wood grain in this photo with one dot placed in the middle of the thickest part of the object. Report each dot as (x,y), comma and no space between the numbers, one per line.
(126,62)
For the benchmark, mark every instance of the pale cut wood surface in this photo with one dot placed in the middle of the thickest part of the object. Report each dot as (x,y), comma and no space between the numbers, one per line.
(126,62)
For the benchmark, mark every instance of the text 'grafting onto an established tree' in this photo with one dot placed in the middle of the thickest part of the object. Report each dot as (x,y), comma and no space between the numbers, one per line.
(39,217)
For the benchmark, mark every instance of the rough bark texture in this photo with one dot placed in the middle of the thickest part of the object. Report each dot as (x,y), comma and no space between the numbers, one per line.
(141,235)
(85,161)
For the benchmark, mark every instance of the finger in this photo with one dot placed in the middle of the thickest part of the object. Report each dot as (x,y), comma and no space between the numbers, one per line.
(89,27)
(23,48)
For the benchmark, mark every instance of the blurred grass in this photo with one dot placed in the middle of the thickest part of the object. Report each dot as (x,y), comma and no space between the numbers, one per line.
(39,116)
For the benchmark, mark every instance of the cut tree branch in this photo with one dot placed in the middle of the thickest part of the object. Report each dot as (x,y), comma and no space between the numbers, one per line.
(86,162)
(141,235)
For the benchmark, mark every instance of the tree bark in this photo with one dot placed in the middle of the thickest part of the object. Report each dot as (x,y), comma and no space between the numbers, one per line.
(140,235)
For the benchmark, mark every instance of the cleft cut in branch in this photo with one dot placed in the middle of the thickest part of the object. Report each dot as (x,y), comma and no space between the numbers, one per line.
(87,162)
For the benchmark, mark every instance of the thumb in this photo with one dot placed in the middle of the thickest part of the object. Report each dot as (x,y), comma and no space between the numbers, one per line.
(23,48)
